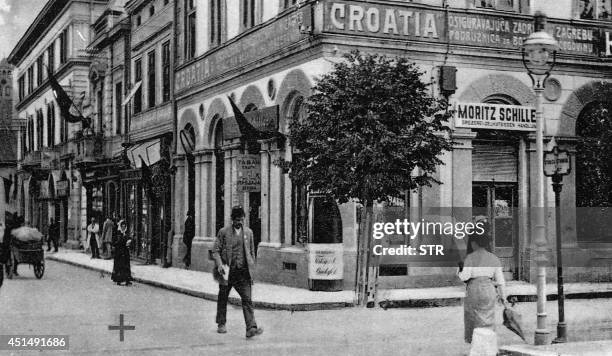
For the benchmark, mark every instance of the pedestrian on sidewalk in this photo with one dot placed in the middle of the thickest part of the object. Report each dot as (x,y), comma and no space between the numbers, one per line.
(234,249)
(53,234)
(121,265)
(93,238)
(484,278)
(188,235)
(108,230)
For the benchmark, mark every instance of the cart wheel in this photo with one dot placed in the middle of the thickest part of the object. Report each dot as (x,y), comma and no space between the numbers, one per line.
(39,270)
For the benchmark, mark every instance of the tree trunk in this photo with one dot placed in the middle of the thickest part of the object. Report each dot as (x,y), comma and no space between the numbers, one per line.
(366,280)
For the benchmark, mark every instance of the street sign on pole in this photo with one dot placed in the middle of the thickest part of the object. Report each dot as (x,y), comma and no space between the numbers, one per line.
(557,162)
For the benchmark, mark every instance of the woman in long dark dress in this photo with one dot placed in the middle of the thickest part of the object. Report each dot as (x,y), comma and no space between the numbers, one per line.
(121,266)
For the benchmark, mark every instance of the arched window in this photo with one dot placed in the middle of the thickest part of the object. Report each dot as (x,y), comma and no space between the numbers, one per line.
(594,173)
(299,196)
(7,91)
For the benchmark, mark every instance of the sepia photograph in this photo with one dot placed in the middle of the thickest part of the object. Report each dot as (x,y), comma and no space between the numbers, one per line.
(306,177)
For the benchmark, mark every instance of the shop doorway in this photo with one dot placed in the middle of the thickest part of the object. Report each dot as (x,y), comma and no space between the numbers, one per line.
(255,217)
(498,202)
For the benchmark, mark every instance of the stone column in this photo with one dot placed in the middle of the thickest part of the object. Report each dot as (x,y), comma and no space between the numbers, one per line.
(231,196)
(198,197)
(179,192)
(275,210)
(204,187)
(266,189)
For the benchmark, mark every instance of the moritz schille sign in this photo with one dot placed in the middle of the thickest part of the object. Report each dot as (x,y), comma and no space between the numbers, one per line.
(495,116)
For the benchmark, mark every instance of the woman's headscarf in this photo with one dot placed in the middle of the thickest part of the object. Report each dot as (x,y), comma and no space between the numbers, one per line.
(122,223)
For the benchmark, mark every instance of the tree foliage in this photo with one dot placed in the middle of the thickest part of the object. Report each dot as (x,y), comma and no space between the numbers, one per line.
(369,123)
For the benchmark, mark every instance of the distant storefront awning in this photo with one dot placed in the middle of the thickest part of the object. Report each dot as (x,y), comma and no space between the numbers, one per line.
(58,179)
(148,152)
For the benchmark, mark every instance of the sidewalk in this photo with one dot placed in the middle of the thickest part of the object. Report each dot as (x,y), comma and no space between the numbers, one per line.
(271,296)
(585,348)
(202,284)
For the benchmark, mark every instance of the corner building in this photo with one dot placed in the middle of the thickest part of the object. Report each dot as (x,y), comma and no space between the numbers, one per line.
(266,55)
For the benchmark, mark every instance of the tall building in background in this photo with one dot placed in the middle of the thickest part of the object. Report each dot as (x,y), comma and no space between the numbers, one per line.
(9,135)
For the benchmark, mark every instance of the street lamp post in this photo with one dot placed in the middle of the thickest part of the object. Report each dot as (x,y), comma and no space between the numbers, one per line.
(539,54)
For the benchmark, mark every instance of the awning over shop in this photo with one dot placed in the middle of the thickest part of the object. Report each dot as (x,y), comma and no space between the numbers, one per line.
(148,151)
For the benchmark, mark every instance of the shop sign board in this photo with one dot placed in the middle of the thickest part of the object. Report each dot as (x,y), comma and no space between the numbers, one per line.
(44,190)
(61,188)
(272,37)
(265,119)
(325,261)
(249,173)
(495,116)
(473,28)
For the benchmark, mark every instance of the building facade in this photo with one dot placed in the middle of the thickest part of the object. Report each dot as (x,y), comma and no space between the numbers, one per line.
(109,55)
(9,134)
(146,182)
(49,183)
(267,55)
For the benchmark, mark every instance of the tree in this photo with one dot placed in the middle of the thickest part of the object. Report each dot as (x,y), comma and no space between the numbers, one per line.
(369,124)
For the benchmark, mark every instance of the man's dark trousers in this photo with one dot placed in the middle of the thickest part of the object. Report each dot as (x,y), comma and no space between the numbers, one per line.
(240,280)
(187,258)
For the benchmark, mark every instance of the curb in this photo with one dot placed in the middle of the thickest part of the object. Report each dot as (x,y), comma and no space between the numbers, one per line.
(213,296)
(454,301)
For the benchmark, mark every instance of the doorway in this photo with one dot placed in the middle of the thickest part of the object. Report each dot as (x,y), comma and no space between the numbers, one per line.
(255,217)
(498,202)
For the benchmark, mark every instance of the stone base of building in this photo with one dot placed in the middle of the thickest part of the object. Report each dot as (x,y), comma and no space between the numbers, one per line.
(72,244)
(595,266)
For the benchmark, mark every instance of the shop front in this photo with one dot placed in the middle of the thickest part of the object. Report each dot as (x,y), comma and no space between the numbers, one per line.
(145,198)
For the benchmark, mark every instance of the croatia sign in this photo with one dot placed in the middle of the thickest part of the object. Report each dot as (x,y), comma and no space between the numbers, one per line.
(495,116)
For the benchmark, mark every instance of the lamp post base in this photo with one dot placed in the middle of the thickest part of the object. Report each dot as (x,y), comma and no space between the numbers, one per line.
(542,337)
(561,334)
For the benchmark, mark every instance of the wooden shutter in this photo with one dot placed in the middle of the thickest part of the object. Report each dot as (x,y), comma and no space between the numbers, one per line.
(492,162)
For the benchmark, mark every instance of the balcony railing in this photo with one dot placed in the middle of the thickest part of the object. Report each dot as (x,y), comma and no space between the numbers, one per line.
(31,159)
(45,158)
(89,149)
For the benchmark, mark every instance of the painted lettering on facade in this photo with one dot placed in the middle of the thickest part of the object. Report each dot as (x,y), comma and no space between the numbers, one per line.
(419,23)
(495,116)
(384,20)
(272,38)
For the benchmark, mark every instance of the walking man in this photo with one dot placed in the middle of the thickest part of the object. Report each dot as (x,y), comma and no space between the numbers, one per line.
(108,230)
(188,236)
(93,238)
(234,249)
(53,232)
